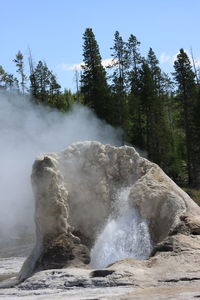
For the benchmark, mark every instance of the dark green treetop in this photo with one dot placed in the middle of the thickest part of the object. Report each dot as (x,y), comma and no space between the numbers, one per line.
(19,60)
(94,86)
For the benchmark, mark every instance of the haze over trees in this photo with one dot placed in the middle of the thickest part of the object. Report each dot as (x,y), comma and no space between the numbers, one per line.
(158,113)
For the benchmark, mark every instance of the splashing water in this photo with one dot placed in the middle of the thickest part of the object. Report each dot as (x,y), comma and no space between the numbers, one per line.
(125,235)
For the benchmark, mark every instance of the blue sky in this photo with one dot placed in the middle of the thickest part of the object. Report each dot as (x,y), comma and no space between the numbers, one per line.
(53,30)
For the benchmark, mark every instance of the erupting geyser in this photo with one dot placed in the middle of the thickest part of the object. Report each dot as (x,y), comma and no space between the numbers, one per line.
(102,203)
(125,235)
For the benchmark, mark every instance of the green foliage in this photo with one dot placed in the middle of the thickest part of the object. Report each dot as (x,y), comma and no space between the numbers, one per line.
(119,86)
(119,65)
(134,65)
(94,86)
(19,60)
(194,194)
(8,81)
(2,76)
(158,115)
(189,103)
(66,100)
(44,87)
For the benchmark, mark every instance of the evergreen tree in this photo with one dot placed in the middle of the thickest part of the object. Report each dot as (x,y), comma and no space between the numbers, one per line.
(40,82)
(148,95)
(11,82)
(54,92)
(119,84)
(8,81)
(135,134)
(44,87)
(19,60)
(65,100)
(120,65)
(94,86)
(188,101)
(157,137)
(139,99)
(153,64)
(2,77)
(134,64)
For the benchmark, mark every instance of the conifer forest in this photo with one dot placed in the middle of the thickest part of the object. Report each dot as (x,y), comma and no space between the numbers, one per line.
(159,113)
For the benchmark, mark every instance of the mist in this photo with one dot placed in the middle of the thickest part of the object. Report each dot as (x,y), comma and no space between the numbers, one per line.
(26,131)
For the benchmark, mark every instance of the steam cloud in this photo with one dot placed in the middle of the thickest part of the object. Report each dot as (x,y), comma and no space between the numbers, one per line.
(26,130)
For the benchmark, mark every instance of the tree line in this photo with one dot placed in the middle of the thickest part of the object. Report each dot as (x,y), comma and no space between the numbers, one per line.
(158,113)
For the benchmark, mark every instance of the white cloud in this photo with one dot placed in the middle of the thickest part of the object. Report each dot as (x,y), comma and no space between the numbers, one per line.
(67,67)
(170,59)
(108,62)
(165,58)
(196,60)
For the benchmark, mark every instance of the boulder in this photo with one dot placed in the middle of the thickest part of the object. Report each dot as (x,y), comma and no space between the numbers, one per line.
(75,194)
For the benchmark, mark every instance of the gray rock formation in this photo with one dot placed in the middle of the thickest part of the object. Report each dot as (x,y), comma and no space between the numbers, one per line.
(74,193)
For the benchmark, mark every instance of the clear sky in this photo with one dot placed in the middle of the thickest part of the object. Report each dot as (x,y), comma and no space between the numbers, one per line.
(53,30)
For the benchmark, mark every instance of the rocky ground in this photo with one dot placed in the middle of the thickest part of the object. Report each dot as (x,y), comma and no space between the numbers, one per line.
(172,273)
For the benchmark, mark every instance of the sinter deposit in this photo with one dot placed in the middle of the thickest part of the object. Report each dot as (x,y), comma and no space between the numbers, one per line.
(76,202)
(97,204)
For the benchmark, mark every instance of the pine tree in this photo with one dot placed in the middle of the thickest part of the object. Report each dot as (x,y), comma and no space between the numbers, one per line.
(120,65)
(153,64)
(54,92)
(135,133)
(19,60)
(44,87)
(11,82)
(119,83)
(40,81)
(157,136)
(134,64)
(2,77)
(188,102)
(8,81)
(147,96)
(94,86)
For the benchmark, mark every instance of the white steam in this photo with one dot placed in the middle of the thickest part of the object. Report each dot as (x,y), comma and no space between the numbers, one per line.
(26,130)
(125,235)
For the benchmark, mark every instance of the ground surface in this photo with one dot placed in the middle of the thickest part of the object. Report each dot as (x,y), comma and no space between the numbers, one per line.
(169,274)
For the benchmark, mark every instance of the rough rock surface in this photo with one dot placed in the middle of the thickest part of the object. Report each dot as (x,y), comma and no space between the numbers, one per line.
(170,274)
(75,191)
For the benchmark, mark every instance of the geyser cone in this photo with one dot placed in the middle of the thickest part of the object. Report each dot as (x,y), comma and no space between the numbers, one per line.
(75,192)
